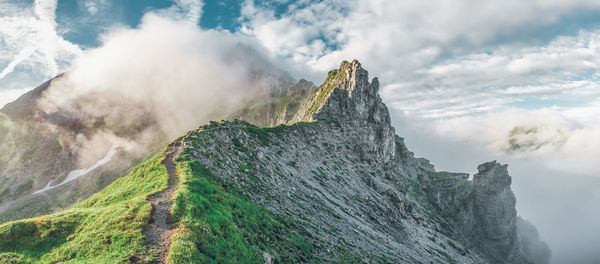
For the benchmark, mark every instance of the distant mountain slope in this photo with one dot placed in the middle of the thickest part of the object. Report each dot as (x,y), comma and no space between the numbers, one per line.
(278,109)
(339,187)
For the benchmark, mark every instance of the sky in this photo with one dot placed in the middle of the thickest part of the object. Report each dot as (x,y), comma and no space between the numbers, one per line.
(466,81)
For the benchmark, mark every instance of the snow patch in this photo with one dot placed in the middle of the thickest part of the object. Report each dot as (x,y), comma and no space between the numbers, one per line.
(74,174)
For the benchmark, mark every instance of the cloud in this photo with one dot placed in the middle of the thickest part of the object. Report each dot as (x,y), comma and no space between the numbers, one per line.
(92,6)
(376,30)
(11,95)
(31,44)
(555,185)
(153,83)
(185,10)
(23,54)
(32,49)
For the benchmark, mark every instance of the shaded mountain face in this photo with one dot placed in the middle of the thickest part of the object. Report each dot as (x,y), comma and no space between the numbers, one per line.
(40,148)
(40,145)
(333,184)
(346,178)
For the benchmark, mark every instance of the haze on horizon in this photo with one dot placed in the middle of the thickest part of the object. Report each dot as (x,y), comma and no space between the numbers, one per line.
(466,81)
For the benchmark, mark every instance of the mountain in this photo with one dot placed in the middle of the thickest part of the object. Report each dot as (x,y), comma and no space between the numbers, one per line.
(52,157)
(41,152)
(332,183)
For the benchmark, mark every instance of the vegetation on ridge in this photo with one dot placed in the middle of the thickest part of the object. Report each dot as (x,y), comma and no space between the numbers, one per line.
(105,228)
(219,226)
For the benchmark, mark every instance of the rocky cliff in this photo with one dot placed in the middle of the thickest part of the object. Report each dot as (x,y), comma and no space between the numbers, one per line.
(347,180)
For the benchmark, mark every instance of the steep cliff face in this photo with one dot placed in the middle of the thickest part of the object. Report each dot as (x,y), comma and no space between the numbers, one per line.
(494,214)
(347,180)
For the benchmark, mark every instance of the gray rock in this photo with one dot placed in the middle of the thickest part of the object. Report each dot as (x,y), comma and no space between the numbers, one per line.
(349,182)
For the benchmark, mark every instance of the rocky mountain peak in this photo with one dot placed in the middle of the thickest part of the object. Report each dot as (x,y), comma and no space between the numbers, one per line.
(492,177)
(347,95)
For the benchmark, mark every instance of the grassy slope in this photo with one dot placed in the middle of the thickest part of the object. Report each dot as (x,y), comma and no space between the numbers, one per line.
(105,228)
(218,226)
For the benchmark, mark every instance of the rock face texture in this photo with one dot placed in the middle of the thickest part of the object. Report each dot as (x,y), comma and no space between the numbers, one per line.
(494,213)
(348,97)
(356,192)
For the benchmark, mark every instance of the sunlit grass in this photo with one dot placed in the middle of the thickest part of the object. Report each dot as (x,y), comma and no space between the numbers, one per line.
(105,228)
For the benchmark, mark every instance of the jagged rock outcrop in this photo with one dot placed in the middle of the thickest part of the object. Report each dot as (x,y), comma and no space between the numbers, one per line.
(344,177)
(348,97)
(494,215)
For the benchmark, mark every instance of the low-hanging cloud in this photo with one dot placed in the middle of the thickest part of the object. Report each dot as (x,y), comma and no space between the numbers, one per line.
(555,178)
(156,81)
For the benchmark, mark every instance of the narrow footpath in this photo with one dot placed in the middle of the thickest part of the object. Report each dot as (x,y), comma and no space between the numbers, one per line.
(160,226)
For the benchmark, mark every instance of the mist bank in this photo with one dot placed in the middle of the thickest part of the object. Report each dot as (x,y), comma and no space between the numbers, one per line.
(559,201)
(141,88)
(164,77)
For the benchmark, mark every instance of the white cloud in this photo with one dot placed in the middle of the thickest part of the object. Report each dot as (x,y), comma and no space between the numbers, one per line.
(426,48)
(166,68)
(32,49)
(186,10)
(11,95)
(30,43)
(23,54)
(91,6)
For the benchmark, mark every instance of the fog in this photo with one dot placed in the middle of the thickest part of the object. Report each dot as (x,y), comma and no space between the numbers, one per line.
(155,82)
(562,204)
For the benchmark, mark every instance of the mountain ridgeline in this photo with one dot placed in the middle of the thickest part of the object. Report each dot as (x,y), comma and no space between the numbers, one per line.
(323,179)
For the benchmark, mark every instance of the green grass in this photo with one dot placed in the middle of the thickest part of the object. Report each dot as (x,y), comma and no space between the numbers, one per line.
(331,74)
(442,175)
(216,225)
(105,228)
(322,93)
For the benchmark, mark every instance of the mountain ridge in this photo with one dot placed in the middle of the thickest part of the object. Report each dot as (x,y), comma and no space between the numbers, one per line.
(336,186)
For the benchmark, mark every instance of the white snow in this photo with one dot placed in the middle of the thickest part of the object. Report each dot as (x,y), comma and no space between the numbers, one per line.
(74,174)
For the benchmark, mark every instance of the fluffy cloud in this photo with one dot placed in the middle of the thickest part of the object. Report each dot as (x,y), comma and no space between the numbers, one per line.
(188,10)
(33,50)
(451,64)
(396,33)
(153,83)
(566,67)
(31,44)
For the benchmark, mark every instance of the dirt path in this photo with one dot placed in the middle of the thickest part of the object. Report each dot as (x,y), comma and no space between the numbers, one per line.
(160,227)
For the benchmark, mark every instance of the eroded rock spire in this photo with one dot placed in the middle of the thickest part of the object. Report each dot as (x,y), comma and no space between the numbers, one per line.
(347,96)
